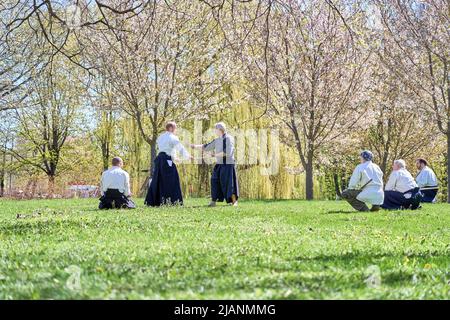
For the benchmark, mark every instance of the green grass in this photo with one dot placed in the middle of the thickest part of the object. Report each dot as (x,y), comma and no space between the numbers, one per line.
(262,250)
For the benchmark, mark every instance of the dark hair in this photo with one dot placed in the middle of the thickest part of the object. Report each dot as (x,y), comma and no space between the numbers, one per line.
(170,125)
(422,161)
(116,161)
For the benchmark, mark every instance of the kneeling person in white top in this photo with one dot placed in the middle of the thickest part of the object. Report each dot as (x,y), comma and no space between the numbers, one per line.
(401,190)
(116,187)
(427,181)
(366,185)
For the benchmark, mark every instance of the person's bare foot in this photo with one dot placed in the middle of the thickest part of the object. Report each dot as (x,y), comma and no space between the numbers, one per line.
(234,201)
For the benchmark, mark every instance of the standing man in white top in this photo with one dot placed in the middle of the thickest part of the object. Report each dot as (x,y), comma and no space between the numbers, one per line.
(366,185)
(115,186)
(427,181)
(165,186)
(401,190)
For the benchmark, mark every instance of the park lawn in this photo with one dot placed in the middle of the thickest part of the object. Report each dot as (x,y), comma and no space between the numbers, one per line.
(66,249)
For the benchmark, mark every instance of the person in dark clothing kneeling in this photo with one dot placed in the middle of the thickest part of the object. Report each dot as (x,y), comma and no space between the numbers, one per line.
(402,191)
(427,181)
(115,186)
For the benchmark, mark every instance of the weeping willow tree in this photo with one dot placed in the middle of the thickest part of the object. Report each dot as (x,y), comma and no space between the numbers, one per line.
(266,169)
(135,152)
(104,135)
(164,63)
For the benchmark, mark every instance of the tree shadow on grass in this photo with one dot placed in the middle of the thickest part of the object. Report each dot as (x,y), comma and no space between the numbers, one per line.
(329,273)
(351,256)
(360,261)
(276,200)
(24,227)
(115,210)
(201,207)
(341,211)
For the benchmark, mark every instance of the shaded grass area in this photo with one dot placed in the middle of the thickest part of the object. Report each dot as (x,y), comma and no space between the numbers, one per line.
(263,249)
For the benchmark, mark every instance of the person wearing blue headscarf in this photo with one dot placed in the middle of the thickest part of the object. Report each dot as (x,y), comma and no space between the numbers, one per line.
(366,185)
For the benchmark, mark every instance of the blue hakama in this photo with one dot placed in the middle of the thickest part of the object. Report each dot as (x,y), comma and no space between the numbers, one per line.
(429,195)
(165,186)
(224,183)
(114,199)
(395,200)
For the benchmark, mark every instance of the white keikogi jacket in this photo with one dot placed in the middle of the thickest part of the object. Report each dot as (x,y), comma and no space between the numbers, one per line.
(373,192)
(401,181)
(170,144)
(426,178)
(116,178)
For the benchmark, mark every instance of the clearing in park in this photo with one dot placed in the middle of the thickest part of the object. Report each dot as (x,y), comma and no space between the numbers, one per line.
(60,249)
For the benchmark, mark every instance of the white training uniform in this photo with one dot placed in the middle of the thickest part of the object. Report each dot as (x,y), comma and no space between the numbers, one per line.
(401,181)
(373,191)
(426,178)
(116,178)
(171,145)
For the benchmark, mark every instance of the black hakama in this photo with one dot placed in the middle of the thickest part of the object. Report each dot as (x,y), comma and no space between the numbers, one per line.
(165,186)
(113,198)
(429,195)
(395,200)
(224,183)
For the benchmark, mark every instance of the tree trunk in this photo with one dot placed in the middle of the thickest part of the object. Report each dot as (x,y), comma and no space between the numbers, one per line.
(337,188)
(33,187)
(105,156)
(309,181)
(2,184)
(51,185)
(145,185)
(448,163)
(152,156)
(3,174)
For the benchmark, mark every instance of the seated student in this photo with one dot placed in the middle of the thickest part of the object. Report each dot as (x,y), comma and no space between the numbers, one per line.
(115,187)
(427,181)
(401,190)
(366,185)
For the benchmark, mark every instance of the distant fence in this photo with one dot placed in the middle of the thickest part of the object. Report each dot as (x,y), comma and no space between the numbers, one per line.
(71,191)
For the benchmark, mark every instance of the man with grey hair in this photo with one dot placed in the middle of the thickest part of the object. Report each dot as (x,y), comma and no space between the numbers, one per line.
(115,187)
(402,191)
(224,181)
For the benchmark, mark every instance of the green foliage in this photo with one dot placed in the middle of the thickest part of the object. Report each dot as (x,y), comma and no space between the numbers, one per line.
(262,249)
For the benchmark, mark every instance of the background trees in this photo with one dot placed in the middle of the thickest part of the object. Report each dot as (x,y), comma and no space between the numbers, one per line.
(416,41)
(160,71)
(315,72)
(20,56)
(333,77)
(46,120)
(7,139)
(397,128)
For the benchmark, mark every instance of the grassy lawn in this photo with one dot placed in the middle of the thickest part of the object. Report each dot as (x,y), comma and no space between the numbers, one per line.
(263,249)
